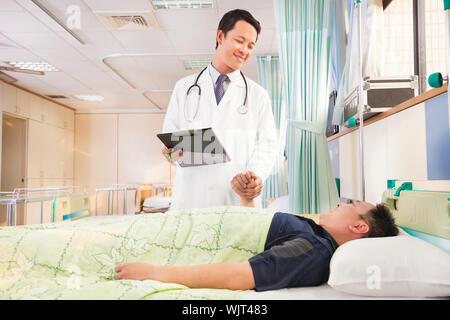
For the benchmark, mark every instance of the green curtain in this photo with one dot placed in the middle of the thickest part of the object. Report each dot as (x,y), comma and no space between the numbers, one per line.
(269,76)
(305,40)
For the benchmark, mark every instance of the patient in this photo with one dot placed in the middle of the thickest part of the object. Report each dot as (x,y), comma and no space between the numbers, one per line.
(297,252)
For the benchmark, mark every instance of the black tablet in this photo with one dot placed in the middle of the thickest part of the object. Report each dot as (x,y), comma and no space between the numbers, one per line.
(200,147)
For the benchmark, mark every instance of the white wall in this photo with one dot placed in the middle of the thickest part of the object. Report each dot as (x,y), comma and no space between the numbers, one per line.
(394,148)
(118,149)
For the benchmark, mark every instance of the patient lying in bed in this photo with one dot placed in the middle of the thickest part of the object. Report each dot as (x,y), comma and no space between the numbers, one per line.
(297,252)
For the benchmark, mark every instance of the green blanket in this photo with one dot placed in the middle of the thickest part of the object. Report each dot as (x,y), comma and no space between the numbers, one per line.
(76,260)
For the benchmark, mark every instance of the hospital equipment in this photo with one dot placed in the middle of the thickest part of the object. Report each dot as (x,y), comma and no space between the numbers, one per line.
(243,109)
(373,95)
(436,80)
(62,202)
(379,94)
(420,210)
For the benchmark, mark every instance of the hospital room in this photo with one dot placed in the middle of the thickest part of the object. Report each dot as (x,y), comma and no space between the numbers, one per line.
(246,151)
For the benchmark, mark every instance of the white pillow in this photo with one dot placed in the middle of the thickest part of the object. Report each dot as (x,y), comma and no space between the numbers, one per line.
(401,266)
(280,204)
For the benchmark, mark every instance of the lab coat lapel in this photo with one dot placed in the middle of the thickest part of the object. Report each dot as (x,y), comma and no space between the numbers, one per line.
(233,92)
(206,84)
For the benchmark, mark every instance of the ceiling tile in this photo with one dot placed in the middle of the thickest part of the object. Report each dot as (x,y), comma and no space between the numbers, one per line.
(54,6)
(119,5)
(10,5)
(191,20)
(7,54)
(160,99)
(246,5)
(202,41)
(144,42)
(28,23)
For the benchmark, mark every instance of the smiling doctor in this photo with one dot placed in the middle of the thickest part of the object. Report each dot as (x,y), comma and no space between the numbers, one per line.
(237,109)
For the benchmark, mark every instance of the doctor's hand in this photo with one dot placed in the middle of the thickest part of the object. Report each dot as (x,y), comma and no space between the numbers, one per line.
(247,185)
(173,155)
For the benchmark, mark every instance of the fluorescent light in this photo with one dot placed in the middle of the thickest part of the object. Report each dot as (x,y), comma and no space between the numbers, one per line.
(182,4)
(87,97)
(35,66)
(196,64)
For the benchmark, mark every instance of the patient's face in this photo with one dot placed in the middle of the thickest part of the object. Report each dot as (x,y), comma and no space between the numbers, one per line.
(345,214)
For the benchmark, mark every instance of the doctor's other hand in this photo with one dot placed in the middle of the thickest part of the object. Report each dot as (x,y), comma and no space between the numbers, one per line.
(174,155)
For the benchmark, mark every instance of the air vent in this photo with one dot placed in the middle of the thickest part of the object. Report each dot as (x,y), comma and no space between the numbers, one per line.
(128,21)
(56,96)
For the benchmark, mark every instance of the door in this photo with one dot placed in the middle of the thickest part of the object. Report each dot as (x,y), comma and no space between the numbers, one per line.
(13,160)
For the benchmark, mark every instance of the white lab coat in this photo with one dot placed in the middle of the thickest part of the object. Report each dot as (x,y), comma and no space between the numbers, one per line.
(249,139)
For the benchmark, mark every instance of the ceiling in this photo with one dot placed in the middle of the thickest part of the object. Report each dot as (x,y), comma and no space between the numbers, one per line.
(132,70)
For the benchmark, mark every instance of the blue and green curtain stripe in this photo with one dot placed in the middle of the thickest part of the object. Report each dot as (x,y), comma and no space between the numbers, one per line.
(305,40)
(269,76)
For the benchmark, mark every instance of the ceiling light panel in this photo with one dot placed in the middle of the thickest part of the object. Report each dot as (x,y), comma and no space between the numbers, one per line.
(195,64)
(88,97)
(182,4)
(35,66)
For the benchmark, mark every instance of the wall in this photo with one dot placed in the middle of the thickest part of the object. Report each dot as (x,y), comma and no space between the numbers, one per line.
(118,149)
(412,145)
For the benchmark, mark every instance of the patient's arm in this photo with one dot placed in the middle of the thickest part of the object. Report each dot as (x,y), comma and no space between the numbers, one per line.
(245,202)
(233,276)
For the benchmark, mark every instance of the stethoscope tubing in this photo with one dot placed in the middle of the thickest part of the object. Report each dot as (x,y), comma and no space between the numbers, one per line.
(200,90)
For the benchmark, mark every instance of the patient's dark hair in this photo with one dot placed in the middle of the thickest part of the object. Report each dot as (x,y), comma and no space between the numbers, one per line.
(381,222)
(231,17)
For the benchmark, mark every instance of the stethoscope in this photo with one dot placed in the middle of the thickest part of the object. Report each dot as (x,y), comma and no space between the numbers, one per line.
(243,109)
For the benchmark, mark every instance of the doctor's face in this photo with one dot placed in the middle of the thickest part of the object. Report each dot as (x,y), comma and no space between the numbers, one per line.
(236,47)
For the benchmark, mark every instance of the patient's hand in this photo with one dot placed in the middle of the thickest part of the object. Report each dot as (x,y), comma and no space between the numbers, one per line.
(134,271)
(247,185)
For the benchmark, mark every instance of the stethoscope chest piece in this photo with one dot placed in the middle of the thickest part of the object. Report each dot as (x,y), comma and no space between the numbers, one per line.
(242,109)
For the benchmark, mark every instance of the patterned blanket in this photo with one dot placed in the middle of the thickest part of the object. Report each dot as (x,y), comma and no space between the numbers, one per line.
(76,260)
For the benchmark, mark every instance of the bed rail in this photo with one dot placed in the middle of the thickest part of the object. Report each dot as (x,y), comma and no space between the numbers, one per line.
(111,191)
(28,195)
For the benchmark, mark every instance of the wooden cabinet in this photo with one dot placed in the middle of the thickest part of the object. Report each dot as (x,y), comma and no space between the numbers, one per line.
(58,116)
(50,143)
(27,105)
(9,98)
(34,150)
(50,151)
(35,109)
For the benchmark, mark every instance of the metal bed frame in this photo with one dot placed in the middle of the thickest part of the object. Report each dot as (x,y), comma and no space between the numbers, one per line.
(28,195)
(116,188)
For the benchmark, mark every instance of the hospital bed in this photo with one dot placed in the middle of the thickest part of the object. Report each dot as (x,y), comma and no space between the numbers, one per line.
(351,267)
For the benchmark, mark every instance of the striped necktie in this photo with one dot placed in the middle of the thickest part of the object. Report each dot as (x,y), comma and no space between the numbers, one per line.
(220,90)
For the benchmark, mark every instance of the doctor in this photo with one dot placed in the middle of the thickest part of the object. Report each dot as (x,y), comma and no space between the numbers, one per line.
(239,111)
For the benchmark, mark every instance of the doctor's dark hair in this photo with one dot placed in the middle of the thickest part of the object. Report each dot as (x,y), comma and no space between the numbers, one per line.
(230,18)
(381,222)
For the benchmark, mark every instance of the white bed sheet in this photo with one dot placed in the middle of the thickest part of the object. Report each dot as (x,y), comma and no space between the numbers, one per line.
(323,292)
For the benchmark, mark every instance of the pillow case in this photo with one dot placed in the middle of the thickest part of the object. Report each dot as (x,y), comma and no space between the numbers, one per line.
(280,204)
(400,266)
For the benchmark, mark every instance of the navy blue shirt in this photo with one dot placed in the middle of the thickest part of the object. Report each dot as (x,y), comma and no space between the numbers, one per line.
(297,253)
